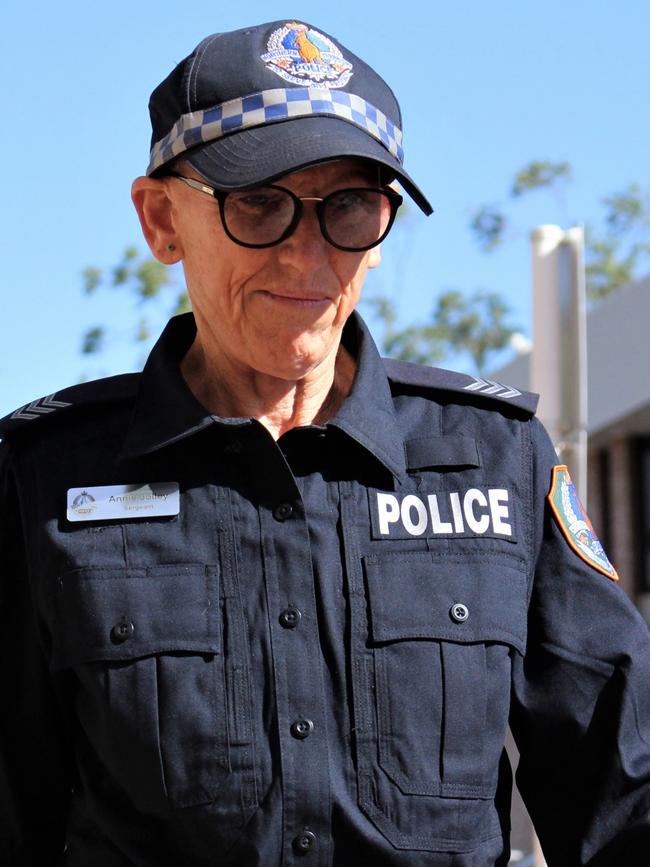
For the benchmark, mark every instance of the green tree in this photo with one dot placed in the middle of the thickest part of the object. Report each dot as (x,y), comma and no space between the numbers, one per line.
(473,324)
(539,174)
(476,324)
(615,250)
(146,280)
(616,257)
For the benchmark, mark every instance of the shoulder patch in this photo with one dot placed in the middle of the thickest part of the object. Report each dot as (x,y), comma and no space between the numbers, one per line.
(575,524)
(461,383)
(83,394)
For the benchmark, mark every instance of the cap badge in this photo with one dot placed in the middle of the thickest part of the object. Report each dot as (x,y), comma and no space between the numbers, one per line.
(302,55)
(575,524)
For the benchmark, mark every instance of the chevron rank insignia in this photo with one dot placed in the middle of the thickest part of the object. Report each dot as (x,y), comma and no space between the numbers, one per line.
(461,383)
(37,408)
(492,387)
(574,523)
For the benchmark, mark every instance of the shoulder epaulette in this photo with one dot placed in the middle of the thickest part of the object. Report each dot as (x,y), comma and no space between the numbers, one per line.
(450,380)
(84,394)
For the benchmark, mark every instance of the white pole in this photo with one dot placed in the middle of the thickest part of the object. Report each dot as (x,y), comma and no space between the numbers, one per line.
(545,359)
(573,310)
(559,357)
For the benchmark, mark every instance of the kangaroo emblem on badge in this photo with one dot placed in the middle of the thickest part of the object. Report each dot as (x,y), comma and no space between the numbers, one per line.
(304,56)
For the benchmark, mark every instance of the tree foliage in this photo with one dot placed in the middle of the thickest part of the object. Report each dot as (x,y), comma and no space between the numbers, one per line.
(488,226)
(477,324)
(539,174)
(616,257)
(461,324)
(146,280)
(614,252)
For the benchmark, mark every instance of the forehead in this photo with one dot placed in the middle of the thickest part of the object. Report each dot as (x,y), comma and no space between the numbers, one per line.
(336,172)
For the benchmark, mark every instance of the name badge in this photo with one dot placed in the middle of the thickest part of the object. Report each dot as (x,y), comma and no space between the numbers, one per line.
(123,502)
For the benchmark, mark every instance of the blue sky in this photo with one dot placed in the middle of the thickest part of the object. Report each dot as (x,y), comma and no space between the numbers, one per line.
(484,88)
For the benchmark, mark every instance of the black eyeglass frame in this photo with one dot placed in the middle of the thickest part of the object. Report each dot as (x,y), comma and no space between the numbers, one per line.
(394,199)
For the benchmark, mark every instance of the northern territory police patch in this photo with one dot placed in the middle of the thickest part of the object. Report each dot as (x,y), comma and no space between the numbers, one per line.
(575,524)
(304,56)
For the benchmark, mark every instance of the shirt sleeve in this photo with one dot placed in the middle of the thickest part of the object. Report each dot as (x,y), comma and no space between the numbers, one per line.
(581,699)
(34,755)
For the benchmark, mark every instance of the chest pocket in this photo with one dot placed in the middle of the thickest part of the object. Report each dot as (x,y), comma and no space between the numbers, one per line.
(159,703)
(443,630)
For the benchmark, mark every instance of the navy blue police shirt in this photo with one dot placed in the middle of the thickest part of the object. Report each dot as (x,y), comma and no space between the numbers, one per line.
(218,649)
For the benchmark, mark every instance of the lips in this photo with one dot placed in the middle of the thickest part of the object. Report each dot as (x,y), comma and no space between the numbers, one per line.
(308,300)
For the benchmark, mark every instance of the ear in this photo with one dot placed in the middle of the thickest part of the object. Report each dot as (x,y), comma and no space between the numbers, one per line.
(374,256)
(154,206)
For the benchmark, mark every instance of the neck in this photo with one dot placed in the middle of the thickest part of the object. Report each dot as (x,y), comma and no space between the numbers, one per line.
(231,391)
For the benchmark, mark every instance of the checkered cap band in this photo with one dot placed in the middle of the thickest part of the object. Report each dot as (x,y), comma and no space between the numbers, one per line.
(269,106)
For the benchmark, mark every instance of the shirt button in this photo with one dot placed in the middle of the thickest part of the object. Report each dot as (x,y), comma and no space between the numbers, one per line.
(283,511)
(459,612)
(290,617)
(302,728)
(304,842)
(122,631)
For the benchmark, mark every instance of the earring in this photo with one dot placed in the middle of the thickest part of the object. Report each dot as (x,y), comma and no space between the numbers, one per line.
(171,247)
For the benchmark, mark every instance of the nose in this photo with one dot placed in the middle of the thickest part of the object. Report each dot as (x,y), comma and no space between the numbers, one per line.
(306,243)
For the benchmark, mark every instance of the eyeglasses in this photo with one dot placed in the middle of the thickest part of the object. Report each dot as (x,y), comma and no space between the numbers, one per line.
(353,219)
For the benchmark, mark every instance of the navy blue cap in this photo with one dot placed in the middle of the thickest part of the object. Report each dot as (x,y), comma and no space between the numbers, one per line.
(247,107)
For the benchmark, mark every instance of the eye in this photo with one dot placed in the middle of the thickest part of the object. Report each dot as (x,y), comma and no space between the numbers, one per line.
(262,202)
(345,201)
(355,204)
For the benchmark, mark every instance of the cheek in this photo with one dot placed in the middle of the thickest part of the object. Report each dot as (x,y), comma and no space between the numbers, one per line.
(351,272)
(351,282)
(218,271)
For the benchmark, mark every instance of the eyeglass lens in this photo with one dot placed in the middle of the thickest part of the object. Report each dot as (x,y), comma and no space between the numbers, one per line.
(353,218)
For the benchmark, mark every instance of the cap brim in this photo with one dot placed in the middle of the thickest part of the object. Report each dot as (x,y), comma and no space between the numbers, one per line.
(265,153)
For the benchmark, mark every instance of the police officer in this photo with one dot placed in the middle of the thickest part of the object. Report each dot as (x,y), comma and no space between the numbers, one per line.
(275,601)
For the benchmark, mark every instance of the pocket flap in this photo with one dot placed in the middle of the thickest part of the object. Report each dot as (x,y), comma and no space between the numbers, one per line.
(462,599)
(443,451)
(120,614)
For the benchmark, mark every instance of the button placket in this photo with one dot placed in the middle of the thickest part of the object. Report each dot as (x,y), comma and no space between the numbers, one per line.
(298,675)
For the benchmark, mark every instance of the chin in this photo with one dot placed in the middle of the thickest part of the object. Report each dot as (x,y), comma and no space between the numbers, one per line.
(291,362)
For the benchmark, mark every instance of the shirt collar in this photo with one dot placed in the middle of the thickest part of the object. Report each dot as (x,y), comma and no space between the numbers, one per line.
(166,410)
(368,414)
